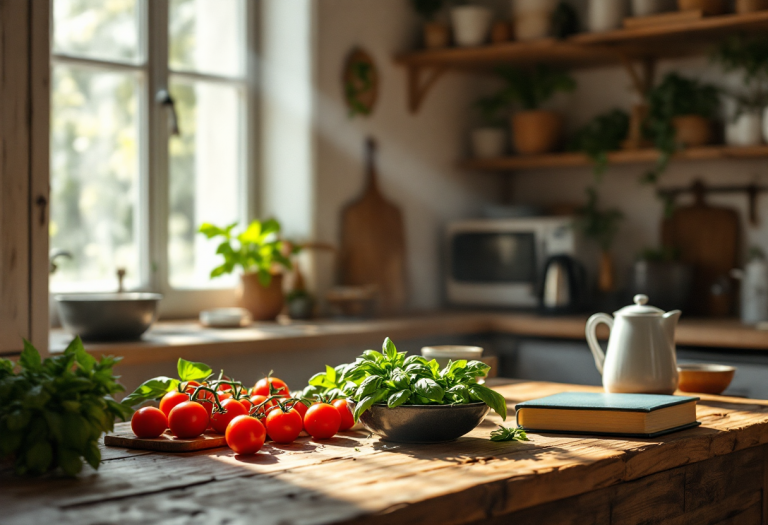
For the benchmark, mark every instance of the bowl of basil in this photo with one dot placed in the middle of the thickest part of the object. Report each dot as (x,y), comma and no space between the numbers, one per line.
(409,399)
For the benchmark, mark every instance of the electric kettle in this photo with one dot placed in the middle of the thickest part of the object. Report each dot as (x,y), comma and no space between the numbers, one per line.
(563,286)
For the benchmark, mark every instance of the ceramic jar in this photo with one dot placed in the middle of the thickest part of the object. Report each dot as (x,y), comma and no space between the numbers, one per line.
(745,130)
(471,24)
(532,19)
(488,143)
(708,7)
(692,130)
(650,7)
(604,15)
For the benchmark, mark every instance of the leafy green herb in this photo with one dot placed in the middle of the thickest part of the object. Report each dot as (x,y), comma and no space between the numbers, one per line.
(532,88)
(427,9)
(53,412)
(255,250)
(601,135)
(395,379)
(508,434)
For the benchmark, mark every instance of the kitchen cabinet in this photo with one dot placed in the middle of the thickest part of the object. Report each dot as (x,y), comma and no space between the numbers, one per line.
(24,65)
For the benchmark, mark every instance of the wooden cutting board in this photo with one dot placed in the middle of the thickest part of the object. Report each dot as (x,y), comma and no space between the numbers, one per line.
(124,437)
(706,237)
(373,243)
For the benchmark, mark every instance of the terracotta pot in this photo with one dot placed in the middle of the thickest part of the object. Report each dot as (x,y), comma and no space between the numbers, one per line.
(709,7)
(606,281)
(537,131)
(264,303)
(436,35)
(750,6)
(692,130)
(501,31)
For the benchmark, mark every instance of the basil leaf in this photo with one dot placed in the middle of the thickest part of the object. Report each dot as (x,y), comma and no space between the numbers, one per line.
(400,379)
(452,367)
(330,374)
(412,359)
(459,393)
(477,369)
(191,371)
(372,355)
(318,379)
(151,389)
(30,358)
(491,398)
(83,359)
(434,368)
(398,398)
(363,405)
(418,369)
(388,348)
(508,434)
(369,385)
(429,389)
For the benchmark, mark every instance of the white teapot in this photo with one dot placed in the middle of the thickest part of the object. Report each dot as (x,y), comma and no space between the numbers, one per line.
(641,349)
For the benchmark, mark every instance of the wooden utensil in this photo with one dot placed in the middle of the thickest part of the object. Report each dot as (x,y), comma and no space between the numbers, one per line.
(124,437)
(373,243)
(706,237)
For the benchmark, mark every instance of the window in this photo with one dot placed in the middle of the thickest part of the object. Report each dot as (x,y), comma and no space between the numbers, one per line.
(126,190)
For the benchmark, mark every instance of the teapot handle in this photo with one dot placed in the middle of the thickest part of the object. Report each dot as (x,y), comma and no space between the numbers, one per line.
(594,346)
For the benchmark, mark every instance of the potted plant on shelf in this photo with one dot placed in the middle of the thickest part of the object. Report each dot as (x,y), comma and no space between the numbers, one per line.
(750,6)
(471,24)
(437,35)
(680,114)
(748,56)
(601,227)
(532,19)
(260,253)
(603,134)
(604,15)
(534,130)
(489,140)
(707,7)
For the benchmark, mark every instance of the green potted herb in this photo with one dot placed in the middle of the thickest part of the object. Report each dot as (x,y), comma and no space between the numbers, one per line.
(601,226)
(490,138)
(437,35)
(603,134)
(260,254)
(680,114)
(747,55)
(534,130)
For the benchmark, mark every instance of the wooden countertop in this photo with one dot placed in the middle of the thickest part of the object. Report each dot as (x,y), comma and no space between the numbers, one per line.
(700,475)
(167,340)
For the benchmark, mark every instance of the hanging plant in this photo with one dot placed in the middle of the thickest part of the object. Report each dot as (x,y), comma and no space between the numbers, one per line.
(601,135)
(361,83)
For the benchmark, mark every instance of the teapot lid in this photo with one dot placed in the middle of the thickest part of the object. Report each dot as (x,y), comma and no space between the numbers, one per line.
(639,308)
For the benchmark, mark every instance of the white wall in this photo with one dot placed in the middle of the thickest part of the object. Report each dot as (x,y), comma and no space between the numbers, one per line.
(417,153)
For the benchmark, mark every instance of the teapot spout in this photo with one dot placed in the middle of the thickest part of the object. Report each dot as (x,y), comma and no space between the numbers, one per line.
(669,322)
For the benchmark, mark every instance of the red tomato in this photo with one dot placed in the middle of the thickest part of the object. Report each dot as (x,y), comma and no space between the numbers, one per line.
(347,419)
(245,435)
(148,422)
(262,389)
(220,420)
(322,421)
(301,408)
(188,420)
(171,399)
(247,405)
(257,400)
(204,394)
(283,427)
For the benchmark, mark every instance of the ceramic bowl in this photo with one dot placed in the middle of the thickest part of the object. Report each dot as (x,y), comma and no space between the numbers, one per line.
(423,423)
(120,316)
(704,378)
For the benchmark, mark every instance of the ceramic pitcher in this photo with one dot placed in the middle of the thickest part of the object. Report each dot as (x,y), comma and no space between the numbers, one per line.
(641,349)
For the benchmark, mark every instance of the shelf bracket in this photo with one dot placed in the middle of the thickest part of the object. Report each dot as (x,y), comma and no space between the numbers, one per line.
(642,80)
(420,80)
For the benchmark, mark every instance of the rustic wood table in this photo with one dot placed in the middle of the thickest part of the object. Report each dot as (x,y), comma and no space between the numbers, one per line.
(717,473)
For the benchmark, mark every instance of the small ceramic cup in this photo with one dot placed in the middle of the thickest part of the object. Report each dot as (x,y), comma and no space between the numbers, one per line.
(445,353)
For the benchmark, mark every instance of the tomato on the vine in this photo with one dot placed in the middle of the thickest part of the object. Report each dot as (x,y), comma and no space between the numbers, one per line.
(245,435)
(262,389)
(172,399)
(301,408)
(322,421)
(247,405)
(283,427)
(188,420)
(347,419)
(258,399)
(220,420)
(202,395)
(148,422)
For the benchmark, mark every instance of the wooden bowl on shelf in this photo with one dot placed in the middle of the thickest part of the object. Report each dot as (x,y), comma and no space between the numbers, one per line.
(704,378)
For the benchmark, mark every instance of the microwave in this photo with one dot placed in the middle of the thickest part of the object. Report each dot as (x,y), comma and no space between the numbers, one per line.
(498,262)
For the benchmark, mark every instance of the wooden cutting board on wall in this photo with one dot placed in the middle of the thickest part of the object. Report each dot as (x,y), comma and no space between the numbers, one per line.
(706,237)
(373,243)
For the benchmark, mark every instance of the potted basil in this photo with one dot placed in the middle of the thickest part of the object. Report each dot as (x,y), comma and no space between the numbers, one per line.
(437,35)
(260,253)
(534,130)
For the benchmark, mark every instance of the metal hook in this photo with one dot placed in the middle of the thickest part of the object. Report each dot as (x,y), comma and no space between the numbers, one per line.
(165,99)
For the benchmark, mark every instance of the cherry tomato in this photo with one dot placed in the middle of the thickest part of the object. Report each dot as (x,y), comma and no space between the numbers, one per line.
(283,427)
(301,408)
(247,405)
(220,420)
(245,435)
(347,419)
(257,400)
(171,399)
(262,389)
(148,422)
(203,394)
(322,421)
(188,420)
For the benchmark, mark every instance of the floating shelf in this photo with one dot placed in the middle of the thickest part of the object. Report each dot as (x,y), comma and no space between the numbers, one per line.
(573,160)
(619,47)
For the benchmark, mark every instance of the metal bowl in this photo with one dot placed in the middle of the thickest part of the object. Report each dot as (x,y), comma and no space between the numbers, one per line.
(423,423)
(108,316)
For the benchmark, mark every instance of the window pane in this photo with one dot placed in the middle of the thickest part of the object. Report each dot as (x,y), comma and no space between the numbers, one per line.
(205,178)
(94,177)
(97,29)
(207,36)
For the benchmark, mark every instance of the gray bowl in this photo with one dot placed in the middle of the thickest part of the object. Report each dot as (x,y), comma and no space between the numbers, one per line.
(108,316)
(423,423)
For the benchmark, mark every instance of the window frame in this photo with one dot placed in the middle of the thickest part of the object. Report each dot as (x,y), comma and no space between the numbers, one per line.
(154,169)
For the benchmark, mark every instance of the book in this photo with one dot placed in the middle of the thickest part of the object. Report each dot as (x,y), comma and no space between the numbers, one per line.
(624,415)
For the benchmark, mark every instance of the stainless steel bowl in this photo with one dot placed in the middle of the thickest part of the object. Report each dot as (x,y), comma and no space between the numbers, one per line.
(108,316)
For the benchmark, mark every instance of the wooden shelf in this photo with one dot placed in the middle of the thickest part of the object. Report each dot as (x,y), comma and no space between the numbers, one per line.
(569,160)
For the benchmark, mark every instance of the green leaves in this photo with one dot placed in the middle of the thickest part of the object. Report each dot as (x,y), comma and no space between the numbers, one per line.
(191,371)
(508,434)
(151,389)
(53,412)
(393,378)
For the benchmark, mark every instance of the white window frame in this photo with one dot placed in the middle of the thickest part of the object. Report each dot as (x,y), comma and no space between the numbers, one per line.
(154,177)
